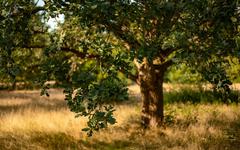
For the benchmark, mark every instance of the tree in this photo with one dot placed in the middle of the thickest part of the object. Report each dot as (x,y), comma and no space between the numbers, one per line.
(154,34)
(21,26)
(157,33)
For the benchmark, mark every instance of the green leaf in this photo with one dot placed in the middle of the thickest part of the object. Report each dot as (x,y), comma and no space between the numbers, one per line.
(111,120)
(85,129)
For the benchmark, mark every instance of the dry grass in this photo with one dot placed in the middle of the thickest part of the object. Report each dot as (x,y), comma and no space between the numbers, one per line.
(28,121)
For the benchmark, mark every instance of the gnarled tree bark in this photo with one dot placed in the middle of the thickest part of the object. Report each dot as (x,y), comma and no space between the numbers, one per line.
(151,84)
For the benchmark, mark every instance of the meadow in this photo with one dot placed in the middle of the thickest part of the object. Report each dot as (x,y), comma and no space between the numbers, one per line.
(29,121)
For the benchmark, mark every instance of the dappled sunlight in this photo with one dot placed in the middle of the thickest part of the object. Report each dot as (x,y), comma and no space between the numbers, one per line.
(18,101)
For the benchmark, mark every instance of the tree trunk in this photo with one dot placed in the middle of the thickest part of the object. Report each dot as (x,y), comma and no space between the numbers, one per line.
(151,85)
(13,85)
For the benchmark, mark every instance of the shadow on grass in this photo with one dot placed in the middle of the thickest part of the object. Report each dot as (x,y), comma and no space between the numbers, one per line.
(114,145)
(39,140)
(11,95)
(12,101)
(198,96)
(57,105)
(230,138)
(26,94)
(57,141)
(233,135)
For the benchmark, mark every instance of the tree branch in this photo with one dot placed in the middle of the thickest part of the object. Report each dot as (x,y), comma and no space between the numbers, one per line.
(27,11)
(123,35)
(130,76)
(165,53)
(137,64)
(164,66)
(168,63)
(67,49)
(37,9)
(80,54)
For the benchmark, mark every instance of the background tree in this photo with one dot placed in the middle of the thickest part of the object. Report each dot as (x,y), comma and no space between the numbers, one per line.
(21,29)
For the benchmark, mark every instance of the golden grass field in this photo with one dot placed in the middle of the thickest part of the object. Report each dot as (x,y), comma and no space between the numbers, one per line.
(28,121)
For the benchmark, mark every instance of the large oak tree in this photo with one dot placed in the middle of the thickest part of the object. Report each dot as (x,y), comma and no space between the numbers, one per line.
(103,36)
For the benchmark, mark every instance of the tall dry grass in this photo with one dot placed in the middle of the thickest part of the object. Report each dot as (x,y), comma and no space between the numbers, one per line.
(28,121)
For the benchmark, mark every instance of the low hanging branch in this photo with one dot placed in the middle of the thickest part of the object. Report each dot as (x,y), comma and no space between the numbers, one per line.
(164,65)
(117,30)
(80,54)
(130,76)
(19,12)
(67,49)
(165,53)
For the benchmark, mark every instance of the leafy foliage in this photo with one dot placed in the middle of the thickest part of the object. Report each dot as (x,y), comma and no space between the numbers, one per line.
(90,102)
(89,74)
(20,28)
